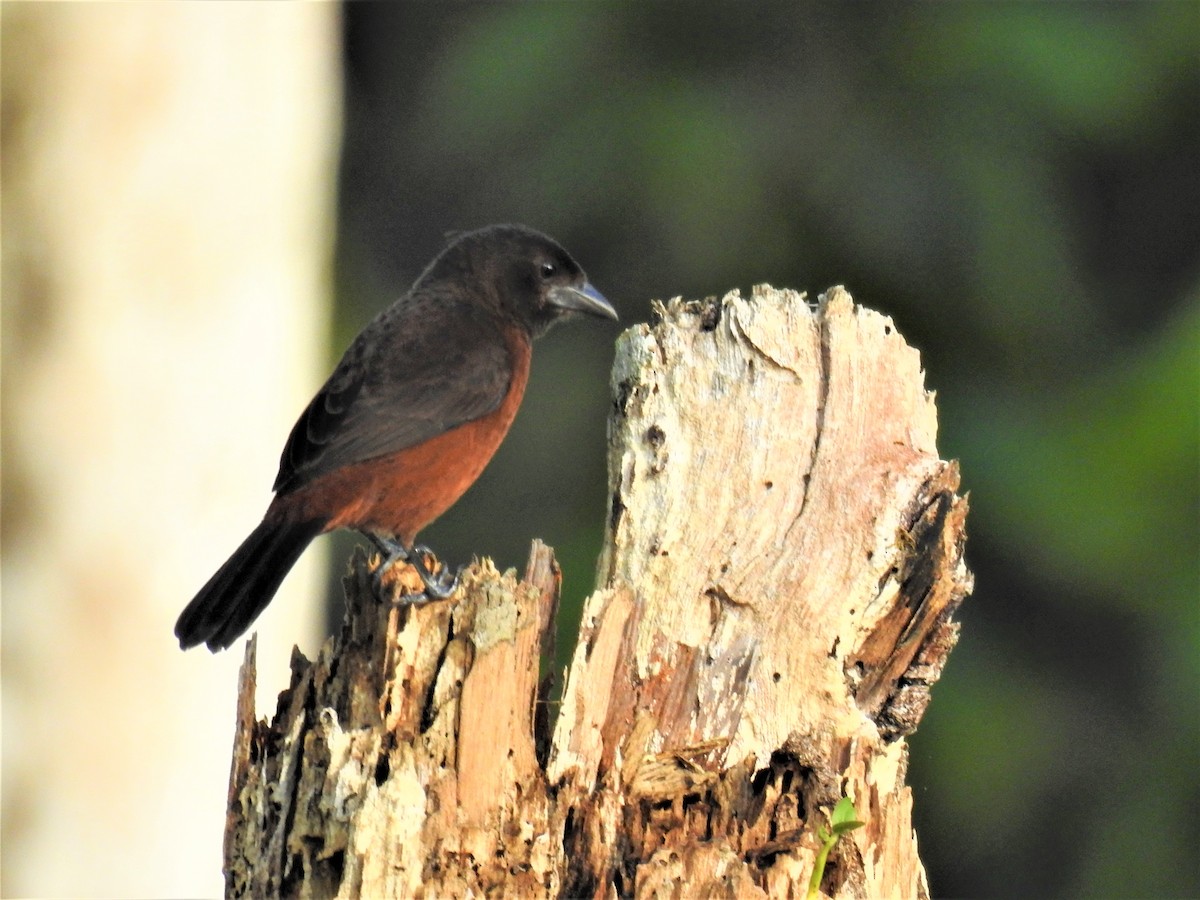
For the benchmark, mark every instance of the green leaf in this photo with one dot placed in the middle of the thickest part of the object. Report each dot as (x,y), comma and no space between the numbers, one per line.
(843,827)
(844,812)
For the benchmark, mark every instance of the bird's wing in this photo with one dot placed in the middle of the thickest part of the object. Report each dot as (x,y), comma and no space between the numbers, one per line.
(414,373)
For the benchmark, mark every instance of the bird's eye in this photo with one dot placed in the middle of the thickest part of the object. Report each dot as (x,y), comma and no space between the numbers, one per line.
(549,270)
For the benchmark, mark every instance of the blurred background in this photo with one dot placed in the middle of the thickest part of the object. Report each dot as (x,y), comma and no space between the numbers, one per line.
(1017,185)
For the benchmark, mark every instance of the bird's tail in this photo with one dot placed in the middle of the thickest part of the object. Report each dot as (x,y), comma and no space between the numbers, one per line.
(241,589)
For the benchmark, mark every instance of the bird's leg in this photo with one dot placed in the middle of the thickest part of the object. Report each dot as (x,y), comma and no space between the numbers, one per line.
(438,586)
(390,553)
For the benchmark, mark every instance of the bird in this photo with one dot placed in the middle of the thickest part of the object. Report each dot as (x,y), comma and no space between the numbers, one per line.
(407,421)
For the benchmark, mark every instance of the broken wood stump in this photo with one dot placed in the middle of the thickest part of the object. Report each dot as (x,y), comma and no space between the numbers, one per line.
(782,560)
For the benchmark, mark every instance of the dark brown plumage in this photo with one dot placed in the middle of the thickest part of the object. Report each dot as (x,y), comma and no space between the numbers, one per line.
(409,418)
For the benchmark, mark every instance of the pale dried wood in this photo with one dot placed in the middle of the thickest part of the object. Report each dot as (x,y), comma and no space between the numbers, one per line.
(782,560)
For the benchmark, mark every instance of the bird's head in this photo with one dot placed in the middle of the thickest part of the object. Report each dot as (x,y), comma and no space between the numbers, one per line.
(524,273)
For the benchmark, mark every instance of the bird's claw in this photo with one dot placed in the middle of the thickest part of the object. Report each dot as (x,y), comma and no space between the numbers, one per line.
(438,585)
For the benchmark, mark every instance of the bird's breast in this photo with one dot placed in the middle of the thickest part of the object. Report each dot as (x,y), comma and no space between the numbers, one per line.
(401,493)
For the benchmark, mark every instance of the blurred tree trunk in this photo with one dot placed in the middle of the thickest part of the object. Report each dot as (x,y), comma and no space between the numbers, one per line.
(168,183)
(782,562)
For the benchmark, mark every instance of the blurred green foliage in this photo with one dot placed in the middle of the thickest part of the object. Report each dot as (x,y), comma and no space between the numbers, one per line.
(1018,186)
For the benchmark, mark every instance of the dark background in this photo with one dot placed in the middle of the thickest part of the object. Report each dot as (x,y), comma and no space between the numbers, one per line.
(1017,185)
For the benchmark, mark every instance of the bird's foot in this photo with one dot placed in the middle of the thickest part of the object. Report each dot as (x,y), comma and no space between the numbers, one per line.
(439,585)
(440,582)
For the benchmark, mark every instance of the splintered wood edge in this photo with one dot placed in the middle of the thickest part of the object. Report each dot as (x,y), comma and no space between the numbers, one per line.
(243,738)
(431,707)
(805,433)
(733,620)
(544,573)
(499,694)
(578,745)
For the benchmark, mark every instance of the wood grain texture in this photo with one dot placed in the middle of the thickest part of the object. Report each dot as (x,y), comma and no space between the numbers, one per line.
(782,561)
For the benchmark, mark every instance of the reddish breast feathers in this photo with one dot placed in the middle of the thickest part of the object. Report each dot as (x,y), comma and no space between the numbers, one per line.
(400,494)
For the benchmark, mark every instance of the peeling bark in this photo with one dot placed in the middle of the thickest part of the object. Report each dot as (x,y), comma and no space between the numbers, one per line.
(775,601)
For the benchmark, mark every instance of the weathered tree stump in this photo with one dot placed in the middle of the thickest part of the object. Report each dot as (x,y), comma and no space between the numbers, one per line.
(783,557)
